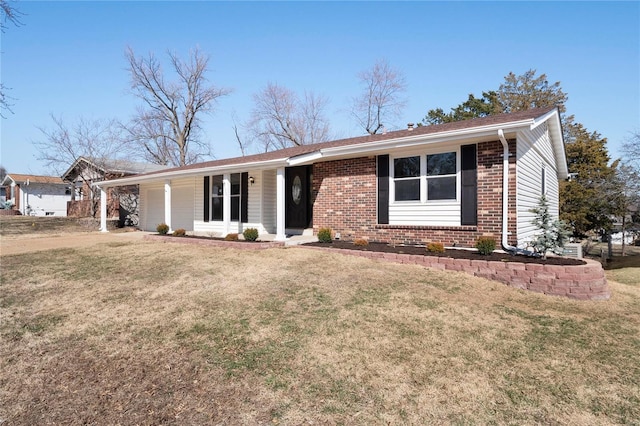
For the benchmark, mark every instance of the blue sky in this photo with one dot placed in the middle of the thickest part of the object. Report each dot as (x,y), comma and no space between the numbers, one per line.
(68,58)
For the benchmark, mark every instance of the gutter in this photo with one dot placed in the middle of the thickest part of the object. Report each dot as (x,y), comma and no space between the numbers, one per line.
(505,193)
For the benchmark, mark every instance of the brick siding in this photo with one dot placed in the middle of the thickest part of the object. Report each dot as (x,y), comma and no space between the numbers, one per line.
(344,196)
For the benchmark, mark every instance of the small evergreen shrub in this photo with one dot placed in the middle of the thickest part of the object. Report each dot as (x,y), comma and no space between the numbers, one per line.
(435,248)
(231,237)
(324,235)
(162,229)
(360,242)
(552,233)
(250,234)
(179,232)
(486,245)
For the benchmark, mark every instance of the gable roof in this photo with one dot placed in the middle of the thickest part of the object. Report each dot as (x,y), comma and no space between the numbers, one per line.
(110,166)
(21,179)
(305,154)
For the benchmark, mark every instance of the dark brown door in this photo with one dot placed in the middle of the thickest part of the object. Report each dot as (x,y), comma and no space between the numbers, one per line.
(297,197)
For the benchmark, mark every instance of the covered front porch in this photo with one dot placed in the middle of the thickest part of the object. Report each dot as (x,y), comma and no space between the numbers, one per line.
(276,201)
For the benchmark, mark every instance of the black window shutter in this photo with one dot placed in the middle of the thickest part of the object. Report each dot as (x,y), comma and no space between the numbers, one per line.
(469,193)
(244,197)
(207,200)
(383,189)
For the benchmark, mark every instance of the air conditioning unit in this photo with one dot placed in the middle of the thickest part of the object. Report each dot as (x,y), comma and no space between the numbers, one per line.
(572,250)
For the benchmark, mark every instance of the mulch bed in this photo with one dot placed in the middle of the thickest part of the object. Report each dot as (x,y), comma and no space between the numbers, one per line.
(452,253)
(420,251)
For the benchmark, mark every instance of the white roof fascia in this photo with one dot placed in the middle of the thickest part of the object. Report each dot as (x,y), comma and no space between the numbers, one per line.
(305,158)
(557,140)
(192,172)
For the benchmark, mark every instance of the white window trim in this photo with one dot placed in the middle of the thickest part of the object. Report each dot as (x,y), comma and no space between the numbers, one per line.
(423,177)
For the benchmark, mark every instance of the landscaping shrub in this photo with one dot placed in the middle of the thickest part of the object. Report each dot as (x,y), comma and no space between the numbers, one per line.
(250,234)
(179,232)
(552,233)
(162,229)
(486,245)
(435,248)
(231,237)
(324,235)
(361,242)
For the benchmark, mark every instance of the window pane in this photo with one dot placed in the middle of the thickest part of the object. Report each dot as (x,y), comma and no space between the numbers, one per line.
(216,208)
(235,208)
(407,190)
(216,185)
(235,184)
(441,164)
(406,167)
(441,188)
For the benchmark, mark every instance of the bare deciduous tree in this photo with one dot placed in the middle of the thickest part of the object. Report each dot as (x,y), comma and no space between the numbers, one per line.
(382,99)
(631,149)
(168,125)
(281,119)
(99,141)
(9,14)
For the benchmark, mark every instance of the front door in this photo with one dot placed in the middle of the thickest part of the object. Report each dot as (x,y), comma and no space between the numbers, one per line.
(297,197)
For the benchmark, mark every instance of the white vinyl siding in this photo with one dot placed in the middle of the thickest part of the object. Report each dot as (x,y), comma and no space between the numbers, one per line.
(182,201)
(151,206)
(534,151)
(267,201)
(436,214)
(182,204)
(44,199)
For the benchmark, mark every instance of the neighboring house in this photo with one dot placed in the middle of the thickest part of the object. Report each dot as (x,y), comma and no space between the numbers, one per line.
(34,195)
(122,202)
(441,183)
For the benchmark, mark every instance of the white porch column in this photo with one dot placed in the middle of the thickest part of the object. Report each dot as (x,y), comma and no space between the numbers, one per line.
(226,202)
(167,204)
(103,210)
(280,202)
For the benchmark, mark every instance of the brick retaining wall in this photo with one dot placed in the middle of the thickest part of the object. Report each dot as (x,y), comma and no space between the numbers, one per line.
(582,282)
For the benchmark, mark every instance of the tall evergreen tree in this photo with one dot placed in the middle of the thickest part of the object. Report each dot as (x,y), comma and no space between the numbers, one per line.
(586,200)
(473,107)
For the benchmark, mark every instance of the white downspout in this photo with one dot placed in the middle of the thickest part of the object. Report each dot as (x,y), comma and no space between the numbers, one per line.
(505,192)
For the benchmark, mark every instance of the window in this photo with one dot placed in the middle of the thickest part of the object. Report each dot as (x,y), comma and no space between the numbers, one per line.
(216,198)
(441,176)
(235,196)
(543,178)
(406,177)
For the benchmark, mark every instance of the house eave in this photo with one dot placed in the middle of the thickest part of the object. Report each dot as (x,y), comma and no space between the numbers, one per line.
(161,176)
(476,133)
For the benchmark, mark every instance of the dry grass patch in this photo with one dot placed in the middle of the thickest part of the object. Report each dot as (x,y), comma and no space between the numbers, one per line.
(147,333)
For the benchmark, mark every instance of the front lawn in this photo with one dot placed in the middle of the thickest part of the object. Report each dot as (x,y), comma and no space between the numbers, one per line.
(144,333)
